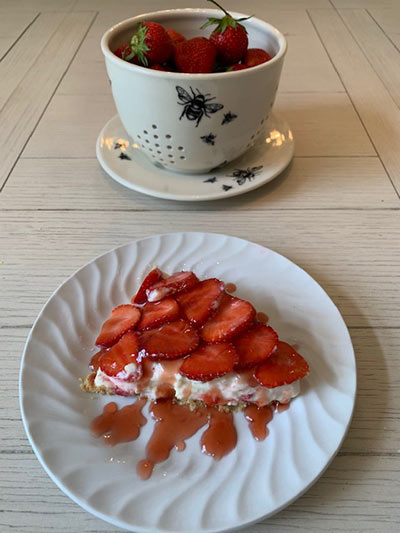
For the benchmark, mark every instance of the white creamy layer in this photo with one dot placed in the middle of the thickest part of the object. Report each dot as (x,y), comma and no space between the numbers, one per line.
(229,389)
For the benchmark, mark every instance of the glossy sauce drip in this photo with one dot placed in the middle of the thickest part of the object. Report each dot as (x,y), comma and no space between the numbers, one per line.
(262,317)
(259,418)
(95,360)
(281,407)
(174,424)
(220,437)
(230,287)
(119,425)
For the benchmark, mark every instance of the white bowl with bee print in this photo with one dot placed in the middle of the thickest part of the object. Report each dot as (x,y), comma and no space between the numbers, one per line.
(193,123)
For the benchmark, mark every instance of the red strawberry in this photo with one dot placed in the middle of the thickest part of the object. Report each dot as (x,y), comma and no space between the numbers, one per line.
(169,341)
(151,44)
(238,66)
(178,282)
(159,67)
(229,37)
(195,55)
(122,319)
(255,56)
(255,346)
(123,353)
(209,361)
(198,303)
(124,51)
(175,37)
(232,316)
(157,313)
(284,366)
(151,279)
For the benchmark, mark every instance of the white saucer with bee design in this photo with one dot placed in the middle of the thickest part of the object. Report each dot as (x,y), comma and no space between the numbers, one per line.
(126,163)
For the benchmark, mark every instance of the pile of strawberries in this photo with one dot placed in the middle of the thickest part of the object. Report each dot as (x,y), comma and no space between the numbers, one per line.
(180,317)
(225,50)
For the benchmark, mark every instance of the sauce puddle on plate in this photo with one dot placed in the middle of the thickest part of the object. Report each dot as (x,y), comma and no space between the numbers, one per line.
(174,424)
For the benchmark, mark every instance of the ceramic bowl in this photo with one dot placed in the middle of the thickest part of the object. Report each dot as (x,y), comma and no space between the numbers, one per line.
(193,122)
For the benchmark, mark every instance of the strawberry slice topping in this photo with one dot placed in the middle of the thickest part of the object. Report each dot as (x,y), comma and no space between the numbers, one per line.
(255,345)
(232,316)
(123,318)
(283,367)
(151,279)
(123,353)
(198,303)
(178,282)
(169,341)
(209,361)
(95,360)
(157,313)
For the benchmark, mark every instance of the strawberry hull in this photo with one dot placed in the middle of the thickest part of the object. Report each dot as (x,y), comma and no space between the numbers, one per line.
(193,123)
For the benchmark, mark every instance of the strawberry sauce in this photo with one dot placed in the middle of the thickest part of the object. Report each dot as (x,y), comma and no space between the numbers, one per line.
(174,424)
(230,287)
(258,418)
(119,425)
(220,437)
(262,317)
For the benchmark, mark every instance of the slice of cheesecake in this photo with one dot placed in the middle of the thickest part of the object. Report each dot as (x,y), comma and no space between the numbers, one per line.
(191,340)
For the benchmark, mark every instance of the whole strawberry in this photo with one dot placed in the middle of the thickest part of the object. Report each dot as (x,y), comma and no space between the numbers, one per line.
(195,56)
(229,37)
(124,51)
(150,44)
(255,56)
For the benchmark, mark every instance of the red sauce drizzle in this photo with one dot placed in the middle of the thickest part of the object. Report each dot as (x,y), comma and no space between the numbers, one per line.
(281,407)
(95,360)
(220,437)
(262,317)
(119,425)
(259,418)
(174,424)
(230,287)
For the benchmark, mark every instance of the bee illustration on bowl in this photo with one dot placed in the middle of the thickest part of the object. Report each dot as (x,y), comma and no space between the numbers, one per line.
(241,175)
(209,139)
(196,105)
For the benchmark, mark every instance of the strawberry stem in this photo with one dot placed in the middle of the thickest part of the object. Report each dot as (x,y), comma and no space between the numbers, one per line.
(222,9)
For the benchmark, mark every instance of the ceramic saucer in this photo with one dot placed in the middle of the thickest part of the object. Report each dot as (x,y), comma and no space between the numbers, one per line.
(126,163)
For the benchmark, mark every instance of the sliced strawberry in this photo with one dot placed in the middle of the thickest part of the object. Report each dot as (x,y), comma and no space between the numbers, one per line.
(284,366)
(209,361)
(169,341)
(255,345)
(123,353)
(232,316)
(151,279)
(198,303)
(178,282)
(122,319)
(157,313)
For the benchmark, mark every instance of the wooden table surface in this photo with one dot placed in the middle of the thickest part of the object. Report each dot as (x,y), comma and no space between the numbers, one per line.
(334,212)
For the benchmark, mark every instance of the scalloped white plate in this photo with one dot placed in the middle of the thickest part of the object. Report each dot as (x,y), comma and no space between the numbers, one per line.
(125,162)
(190,492)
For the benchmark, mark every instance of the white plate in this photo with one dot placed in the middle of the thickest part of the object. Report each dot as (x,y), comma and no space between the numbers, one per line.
(190,492)
(126,163)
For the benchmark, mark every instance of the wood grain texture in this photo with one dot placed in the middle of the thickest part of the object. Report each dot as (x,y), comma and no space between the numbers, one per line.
(373,102)
(19,60)
(12,25)
(387,18)
(20,115)
(350,253)
(379,49)
(309,183)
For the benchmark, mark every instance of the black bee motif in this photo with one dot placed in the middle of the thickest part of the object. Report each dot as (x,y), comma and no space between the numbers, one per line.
(228,117)
(240,175)
(209,139)
(122,155)
(226,187)
(210,180)
(118,145)
(196,106)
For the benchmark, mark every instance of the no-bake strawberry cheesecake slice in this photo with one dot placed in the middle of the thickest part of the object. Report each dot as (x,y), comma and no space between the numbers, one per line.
(191,340)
